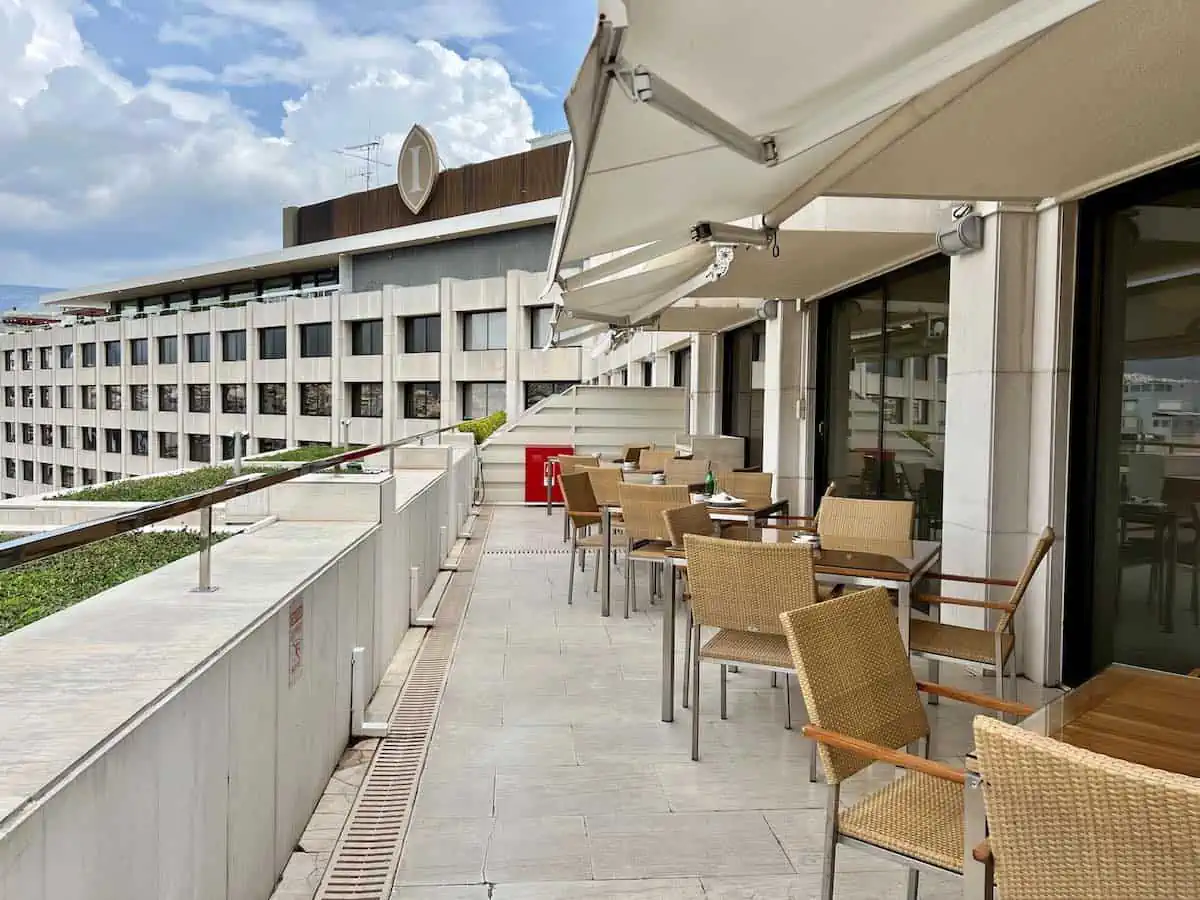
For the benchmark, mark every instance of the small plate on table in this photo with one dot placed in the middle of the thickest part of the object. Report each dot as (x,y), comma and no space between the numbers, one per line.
(723,499)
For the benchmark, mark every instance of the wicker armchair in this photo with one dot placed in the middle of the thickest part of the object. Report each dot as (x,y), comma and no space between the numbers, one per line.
(685,471)
(985,647)
(865,706)
(642,506)
(654,460)
(741,588)
(747,484)
(583,513)
(632,452)
(875,520)
(1067,822)
(569,465)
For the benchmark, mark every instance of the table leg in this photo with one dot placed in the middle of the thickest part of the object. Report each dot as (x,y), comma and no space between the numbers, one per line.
(976,880)
(668,649)
(905,612)
(605,594)
(1172,548)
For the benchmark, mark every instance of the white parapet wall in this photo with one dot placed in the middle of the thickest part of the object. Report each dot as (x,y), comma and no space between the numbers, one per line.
(589,418)
(157,743)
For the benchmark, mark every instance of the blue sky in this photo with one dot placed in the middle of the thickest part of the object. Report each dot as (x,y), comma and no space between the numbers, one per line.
(141,135)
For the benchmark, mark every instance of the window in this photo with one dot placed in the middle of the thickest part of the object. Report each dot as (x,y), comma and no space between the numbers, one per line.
(168,350)
(366,400)
(485,330)
(941,368)
(198,349)
(10,468)
(47,473)
(65,439)
(87,476)
(10,432)
(46,433)
(66,475)
(423,400)
(168,398)
(10,396)
(315,400)
(87,396)
(757,341)
(228,447)
(112,396)
(65,400)
(112,440)
(45,397)
(27,470)
(920,412)
(168,445)
(893,367)
(316,340)
(139,352)
(87,435)
(423,334)
(26,359)
(139,443)
(27,397)
(112,476)
(88,353)
(893,410)
(482,398)
(199,448)
(66,356)
(537,391)
(233,346)
(272,343)
(272,399)
(139,397)
(271,445)
(112,353)
(366,338)
(920,368)
(233,398)
(539,326)
(199,398)
(8,360)
(26,433)
(45,357)
(647,373)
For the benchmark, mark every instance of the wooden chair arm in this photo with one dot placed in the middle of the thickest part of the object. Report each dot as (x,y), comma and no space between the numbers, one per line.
(883,754)
(982,852)
(959,601)
(981,700)
(972,579)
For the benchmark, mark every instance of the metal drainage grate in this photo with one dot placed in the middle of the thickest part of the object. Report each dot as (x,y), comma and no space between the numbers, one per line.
(364,861)
(528,551)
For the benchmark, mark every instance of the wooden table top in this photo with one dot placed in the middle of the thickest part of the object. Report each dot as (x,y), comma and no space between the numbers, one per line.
(1138,715)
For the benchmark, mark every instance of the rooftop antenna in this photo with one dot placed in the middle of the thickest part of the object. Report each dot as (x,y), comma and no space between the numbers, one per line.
(364,161)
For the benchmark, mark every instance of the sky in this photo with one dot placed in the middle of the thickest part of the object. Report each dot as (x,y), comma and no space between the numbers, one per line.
(143,135)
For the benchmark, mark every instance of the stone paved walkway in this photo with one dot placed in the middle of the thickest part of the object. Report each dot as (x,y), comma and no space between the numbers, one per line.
(551,776)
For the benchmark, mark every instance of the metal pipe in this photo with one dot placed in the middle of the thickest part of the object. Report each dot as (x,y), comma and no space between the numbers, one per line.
(414,593)
(205,584)
(239,438)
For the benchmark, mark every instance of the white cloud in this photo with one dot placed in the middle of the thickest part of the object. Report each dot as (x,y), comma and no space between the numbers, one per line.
(102,178)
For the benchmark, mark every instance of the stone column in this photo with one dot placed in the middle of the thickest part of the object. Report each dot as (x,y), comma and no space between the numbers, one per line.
(662,368)
(706,384)
(783,381)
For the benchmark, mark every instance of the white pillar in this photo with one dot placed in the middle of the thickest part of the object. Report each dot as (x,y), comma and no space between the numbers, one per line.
(516,338)
(451,412)
(663,363)
(784,384)
(706,384)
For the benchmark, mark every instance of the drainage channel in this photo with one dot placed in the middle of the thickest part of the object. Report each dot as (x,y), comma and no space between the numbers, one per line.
(364,860)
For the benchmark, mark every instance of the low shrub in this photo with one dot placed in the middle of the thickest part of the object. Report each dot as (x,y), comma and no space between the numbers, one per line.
(307,454)
(158,488)
(39,589)
(484,428)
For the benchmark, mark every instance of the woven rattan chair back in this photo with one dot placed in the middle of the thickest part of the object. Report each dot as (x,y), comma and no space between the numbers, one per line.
(876,520)
(1040,549)
(855,675)
(578,497)
(747,484)
(654,460)
(642,506)
(685,471)
(746,585)
(1067,822)
(606,484)
(683,520)
(569,465)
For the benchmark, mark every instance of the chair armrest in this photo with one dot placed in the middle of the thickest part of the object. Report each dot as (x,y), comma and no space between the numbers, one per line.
(982,852)
(972,579)
(959,601)
(980,700)
(884,754)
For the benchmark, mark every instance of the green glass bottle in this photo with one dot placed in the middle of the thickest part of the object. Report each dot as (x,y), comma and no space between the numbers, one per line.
(710,484)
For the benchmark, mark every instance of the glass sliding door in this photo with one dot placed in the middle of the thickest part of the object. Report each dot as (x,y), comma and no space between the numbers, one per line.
(1134,502)
(881,410)
(742,396)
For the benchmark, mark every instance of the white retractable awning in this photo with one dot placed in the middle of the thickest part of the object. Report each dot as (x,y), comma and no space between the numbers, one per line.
(1100,98)
(688,111)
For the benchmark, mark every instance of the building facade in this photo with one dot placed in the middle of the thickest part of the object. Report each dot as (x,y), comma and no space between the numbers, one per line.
(365,336)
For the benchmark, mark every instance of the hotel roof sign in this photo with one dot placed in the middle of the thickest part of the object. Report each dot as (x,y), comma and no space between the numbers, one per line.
(418,169)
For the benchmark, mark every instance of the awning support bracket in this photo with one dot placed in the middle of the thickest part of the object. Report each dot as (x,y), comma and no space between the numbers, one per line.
(645,87)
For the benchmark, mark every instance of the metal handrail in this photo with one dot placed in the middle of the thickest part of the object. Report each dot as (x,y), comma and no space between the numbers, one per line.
(38,546)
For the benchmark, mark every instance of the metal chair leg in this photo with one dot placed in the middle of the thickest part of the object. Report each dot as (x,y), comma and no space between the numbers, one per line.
(812,764)
(571,573)
(687,656)
(724,691)
(596,574)
(913,886)
(774,679)
(787,693)
(695,640)
(628,584)
(831,833)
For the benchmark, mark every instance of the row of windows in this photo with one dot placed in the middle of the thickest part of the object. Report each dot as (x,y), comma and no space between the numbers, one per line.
(422,334)
(893,367)
(918,411)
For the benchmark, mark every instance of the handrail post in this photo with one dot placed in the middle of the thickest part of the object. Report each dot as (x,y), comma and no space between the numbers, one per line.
(205,584)
(239,450)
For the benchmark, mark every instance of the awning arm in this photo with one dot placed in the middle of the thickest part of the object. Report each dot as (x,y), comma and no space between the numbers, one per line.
(618,264)
(722,260)
(644,86)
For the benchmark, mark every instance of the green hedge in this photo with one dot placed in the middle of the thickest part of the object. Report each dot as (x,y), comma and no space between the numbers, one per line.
(484,428)
(307,454)
(159,488)
(39,589)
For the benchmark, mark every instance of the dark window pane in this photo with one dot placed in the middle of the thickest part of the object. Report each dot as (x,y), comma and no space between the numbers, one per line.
(199,448)
(199,398)
(139,443)
(366,400)
(233,398)
(315,399)
(233,346)
(366,338)
(112,396)
(168,398)
(168,445)
(66,356)
(198,347)
(168,350)
(272,399)
(316,340)
(423,400)
(272,342)
(139,352)
(112,440)
(88,355)
(112,353)
(139,397)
